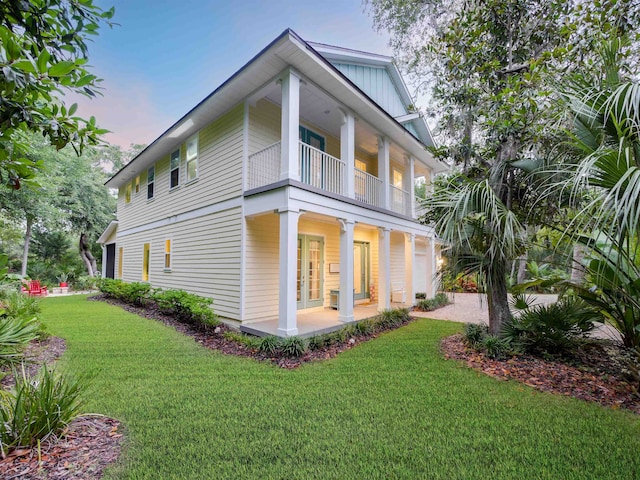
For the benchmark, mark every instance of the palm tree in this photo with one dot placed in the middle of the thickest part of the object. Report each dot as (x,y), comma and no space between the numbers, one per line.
(606,143)
(483,234)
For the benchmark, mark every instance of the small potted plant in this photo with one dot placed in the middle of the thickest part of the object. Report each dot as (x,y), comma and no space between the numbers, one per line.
(62,278)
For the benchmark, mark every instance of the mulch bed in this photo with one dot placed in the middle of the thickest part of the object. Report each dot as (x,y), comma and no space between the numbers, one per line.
(82,451)
(592,374)
(214,339)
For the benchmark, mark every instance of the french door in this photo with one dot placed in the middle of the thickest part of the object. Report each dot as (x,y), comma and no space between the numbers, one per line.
(360,270)
(310,271)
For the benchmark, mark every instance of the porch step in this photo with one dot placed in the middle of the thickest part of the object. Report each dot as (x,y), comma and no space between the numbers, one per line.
(266,331)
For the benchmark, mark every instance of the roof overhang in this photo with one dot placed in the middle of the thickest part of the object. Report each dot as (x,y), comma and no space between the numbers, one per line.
(111,228)
(287,51)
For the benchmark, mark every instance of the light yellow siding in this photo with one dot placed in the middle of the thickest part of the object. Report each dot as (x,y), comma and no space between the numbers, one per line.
(205,258)
(262,261)
(219,176)
(262,266)
(397,260)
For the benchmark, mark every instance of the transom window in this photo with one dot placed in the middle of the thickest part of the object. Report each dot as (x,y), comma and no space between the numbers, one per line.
(175,169)
(192,158)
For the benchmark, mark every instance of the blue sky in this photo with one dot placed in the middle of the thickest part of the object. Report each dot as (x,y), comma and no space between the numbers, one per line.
(166,56)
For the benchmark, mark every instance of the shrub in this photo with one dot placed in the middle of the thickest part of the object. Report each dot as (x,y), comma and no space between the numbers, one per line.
(238,337)
(269,344)
(15,334)
(84,282)
(474,334)
(186,307)
(364,327)
(495,347)
(294,346)
(393,317)
(38,407)
(440,300)
(18,305)
(317,341)
(551,328)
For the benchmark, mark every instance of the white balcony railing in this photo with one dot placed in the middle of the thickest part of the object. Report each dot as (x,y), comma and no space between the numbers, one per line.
(264,167)
(400,200)
(320,169)
(368,188)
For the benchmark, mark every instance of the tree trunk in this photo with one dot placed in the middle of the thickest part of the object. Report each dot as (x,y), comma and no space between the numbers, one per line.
(497,297)
(577,265)
(86,255)
(522,268)
(27,242)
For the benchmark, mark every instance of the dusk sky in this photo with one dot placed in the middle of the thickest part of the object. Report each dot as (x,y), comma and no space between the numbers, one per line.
(166,56)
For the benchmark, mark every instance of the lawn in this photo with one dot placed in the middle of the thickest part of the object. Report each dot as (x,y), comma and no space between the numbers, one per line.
(391,408)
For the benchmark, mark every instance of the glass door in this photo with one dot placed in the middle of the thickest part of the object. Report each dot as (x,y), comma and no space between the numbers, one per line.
(310,272)
(360,270)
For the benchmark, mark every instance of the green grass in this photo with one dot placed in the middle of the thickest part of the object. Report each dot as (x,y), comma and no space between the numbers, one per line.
(391,408)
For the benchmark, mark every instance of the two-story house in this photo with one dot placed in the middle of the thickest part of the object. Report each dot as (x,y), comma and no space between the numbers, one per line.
(289,190)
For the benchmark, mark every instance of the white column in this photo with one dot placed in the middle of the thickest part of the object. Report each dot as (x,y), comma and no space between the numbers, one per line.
(383,170)
(346,270)
(287,321)
(384,269)
(290,125)
(409,260)
(347,153)
(411,170)
(104,261)
(431,269)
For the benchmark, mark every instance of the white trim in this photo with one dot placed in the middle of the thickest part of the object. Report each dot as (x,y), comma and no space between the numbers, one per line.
(190,215)
(113,226)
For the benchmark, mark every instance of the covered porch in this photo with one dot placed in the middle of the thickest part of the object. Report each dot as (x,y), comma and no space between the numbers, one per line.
(309,273)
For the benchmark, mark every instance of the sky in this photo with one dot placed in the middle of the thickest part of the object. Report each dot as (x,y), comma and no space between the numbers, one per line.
(165,56)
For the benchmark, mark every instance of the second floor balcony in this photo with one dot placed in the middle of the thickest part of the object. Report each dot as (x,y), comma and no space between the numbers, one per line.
(318,169)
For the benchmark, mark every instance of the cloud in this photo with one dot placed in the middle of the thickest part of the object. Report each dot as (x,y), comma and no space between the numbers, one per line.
(126,109)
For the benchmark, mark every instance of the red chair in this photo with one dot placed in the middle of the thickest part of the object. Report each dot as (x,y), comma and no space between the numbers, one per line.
(34,289)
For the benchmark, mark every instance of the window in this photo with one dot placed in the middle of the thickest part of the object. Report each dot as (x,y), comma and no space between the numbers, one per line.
(167,254)
(397,178)
(192,158)
(146,253)
(120,261)
(127,193)
(175,169)
(151,176)
(360,165)
(137,184)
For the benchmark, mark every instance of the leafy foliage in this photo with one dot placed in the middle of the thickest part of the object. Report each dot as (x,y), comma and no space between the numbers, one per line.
(269,344)
(474,334)
(440,300)
(38,407)
(186,307)
(43,51)
(554,328)
(294,346)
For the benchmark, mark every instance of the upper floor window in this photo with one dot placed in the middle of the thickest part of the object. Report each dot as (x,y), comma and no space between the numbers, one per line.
(175,169)
(137,184)
(127,193)
(360,165)
(151,178)
(192,158)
